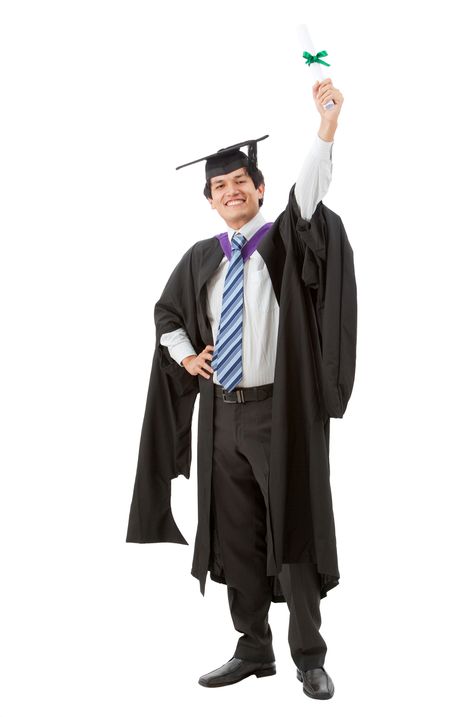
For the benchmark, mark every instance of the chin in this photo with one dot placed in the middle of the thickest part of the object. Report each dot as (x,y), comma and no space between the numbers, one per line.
(240,218)
(242,211)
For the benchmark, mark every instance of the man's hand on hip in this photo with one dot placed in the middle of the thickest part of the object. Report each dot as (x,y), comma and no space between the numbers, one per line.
(196,365)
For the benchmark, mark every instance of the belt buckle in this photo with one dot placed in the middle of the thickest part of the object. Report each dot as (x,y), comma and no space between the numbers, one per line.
(239,396)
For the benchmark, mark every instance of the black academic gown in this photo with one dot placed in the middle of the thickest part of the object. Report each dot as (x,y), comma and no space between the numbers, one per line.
(311,267)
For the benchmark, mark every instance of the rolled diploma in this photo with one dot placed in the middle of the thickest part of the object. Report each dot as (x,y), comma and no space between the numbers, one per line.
(315,68)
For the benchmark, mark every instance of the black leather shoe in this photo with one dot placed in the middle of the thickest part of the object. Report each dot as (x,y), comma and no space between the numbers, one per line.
(236,670)
(317,683)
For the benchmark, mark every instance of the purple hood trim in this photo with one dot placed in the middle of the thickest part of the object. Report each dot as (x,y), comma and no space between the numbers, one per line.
(249,247)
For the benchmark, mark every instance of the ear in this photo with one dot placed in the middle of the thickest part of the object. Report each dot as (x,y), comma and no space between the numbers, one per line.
(211,201)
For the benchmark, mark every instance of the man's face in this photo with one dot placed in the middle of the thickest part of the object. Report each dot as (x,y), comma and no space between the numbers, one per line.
(235,197)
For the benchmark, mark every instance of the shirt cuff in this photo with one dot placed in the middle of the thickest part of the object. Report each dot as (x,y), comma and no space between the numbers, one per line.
(181,350)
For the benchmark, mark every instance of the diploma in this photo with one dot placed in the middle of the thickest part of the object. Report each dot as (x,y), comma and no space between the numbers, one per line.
(313,59)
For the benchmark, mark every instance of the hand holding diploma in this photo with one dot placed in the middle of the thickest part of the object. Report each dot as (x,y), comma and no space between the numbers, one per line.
(323,93)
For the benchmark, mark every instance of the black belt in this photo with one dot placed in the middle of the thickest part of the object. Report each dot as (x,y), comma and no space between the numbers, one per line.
(242,395)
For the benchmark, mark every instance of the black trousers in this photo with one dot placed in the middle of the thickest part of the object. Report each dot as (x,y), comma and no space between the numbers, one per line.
(240,500)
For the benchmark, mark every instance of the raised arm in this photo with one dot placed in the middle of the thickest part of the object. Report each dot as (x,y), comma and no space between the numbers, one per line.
(315,175)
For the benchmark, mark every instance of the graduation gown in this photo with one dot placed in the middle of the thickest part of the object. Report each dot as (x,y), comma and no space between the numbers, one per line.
(310,264)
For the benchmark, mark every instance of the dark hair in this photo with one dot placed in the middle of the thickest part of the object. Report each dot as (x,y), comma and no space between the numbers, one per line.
(255,174)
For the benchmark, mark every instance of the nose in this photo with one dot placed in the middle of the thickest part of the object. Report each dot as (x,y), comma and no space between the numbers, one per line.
(232,192)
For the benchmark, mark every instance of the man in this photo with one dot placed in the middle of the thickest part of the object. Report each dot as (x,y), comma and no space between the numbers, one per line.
(273,308)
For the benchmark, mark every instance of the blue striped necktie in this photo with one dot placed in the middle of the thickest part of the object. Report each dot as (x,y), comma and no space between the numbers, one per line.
(227,356)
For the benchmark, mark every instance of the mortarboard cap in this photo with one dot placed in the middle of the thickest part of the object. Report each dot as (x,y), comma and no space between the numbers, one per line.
(229,158)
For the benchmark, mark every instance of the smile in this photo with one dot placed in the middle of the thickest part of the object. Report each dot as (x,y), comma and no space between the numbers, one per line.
(234,202)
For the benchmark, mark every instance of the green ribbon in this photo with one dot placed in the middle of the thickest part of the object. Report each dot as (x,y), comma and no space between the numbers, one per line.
(316,58)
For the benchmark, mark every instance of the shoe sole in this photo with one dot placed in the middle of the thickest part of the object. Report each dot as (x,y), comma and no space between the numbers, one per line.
(311,694)
(265,672)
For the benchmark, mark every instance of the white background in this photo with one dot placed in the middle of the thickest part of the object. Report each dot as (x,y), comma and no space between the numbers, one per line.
(99,102)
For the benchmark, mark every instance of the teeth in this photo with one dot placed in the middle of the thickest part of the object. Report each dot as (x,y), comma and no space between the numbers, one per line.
(235,201)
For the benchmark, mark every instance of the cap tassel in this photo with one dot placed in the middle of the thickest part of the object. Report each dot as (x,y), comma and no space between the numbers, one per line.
(252,156)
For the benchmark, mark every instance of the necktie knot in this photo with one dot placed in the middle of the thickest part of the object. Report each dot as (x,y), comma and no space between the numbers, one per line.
(237,241)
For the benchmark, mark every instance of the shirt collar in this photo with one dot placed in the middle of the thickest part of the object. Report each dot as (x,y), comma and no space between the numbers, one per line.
(249,229)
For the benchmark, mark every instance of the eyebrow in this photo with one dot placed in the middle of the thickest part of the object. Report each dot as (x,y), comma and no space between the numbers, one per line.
(237,176)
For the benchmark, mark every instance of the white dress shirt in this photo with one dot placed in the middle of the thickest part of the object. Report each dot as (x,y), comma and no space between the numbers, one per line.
(261,310)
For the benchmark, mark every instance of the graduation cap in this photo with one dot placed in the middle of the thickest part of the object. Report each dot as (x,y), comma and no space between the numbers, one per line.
(229,158)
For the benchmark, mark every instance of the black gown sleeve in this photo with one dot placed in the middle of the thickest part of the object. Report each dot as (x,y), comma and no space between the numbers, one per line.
(165,444)
(327,270)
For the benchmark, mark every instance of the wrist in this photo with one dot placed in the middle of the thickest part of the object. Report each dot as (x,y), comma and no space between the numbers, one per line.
(327,130)
(187,359)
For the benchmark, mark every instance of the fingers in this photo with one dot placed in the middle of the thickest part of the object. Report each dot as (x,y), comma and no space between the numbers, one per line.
(208,367)
(325,96)
(330,94)
(321,90)
(322,83)
(208,350)
(203,367)
(199,368)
